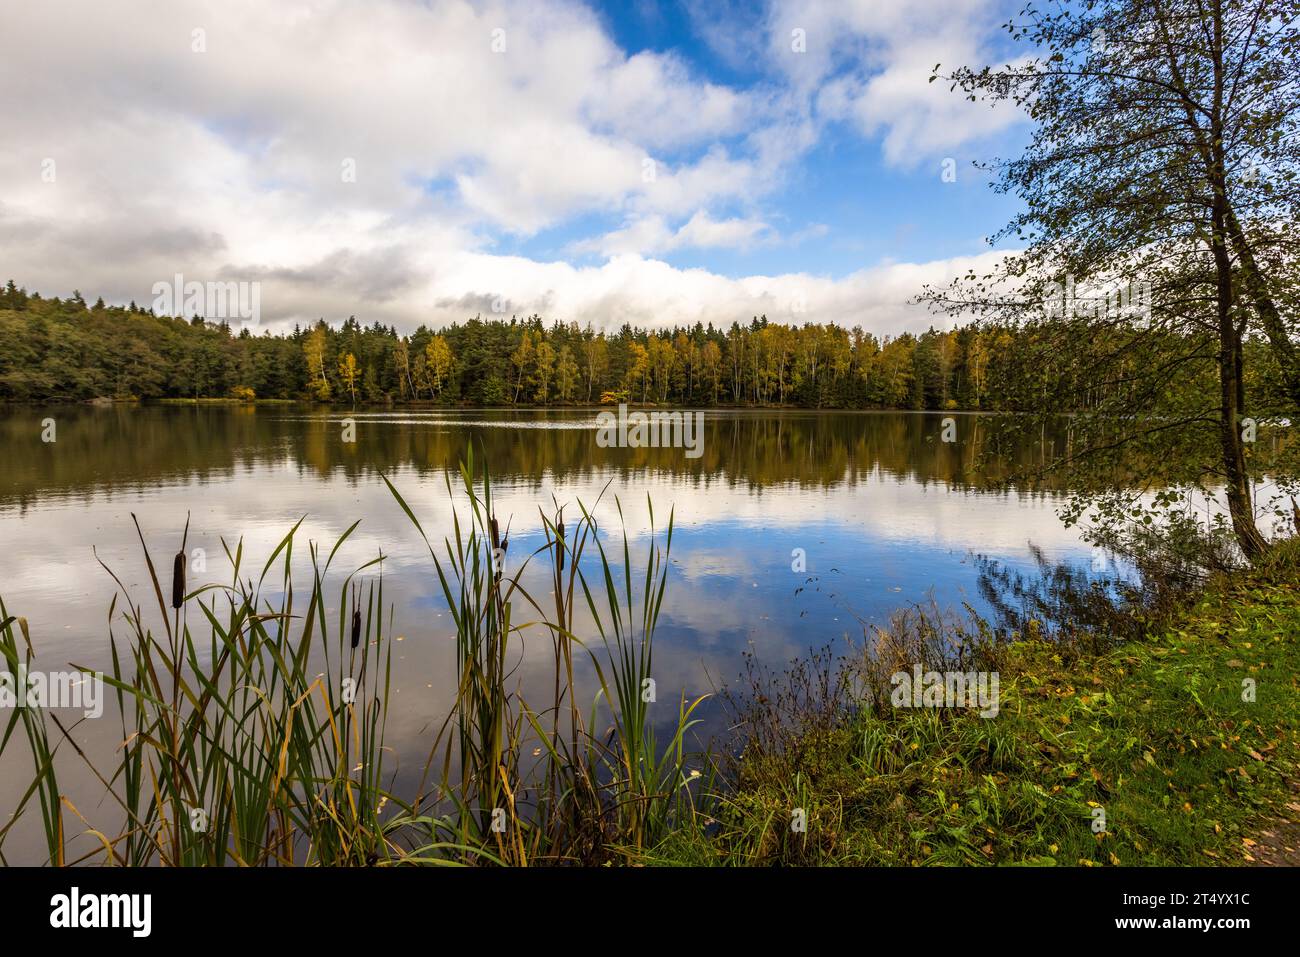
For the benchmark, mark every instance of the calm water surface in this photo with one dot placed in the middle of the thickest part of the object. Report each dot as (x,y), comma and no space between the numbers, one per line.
(884,511)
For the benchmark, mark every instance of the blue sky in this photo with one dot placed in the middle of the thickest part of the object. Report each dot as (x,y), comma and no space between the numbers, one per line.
(846,207)
(652,161)
(843,205)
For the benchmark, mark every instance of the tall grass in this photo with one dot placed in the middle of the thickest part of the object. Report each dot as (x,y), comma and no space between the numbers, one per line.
(596,793)
(253,729)
(233,750)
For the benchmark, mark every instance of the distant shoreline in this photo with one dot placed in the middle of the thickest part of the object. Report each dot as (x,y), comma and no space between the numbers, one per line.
(105,402)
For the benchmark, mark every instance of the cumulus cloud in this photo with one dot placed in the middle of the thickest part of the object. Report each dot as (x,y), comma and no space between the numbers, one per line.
(648,292)
(652,234)
(371,157)
(868,62)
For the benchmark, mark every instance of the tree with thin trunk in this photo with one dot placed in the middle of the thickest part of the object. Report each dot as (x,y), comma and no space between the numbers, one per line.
(349,372)
(1160,191)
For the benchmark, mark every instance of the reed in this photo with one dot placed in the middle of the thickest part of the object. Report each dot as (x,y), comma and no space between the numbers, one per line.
(253,728)
(235,751)
(597,795)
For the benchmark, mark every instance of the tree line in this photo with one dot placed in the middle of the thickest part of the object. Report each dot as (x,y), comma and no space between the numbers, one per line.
(54,349)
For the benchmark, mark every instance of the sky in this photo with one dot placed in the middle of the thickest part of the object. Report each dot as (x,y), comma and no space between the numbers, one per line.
(654,162)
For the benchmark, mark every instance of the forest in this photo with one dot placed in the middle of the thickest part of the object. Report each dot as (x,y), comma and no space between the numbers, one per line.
(54,349)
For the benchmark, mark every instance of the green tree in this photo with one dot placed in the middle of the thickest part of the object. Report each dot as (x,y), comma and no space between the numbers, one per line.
(1162,164)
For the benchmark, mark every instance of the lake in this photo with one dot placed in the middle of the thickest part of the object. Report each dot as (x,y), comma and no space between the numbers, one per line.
(793,530)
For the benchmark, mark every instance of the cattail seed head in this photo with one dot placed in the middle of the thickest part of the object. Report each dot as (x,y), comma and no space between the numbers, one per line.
(496,534)
(178,580)
(499,556)
(356,628)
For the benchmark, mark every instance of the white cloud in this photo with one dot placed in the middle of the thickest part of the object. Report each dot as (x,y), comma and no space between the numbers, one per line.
(229,163)
(557,123)
(651,234)
(648,292)
(869,62)
(653,99)
(703,231)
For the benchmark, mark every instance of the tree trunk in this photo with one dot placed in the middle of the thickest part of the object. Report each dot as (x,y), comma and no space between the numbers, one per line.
(1231,387)
(1231,381)
(1284,350)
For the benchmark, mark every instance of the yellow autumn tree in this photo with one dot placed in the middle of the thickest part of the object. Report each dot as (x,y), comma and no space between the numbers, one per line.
(545,366)
(349,372)
(438,362)
(638,368)
(314,347)
(566,374)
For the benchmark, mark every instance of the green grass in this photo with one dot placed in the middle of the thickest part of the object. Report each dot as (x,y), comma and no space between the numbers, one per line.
(1155,733)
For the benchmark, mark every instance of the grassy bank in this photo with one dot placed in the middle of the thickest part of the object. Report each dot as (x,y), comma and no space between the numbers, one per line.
(1153,733)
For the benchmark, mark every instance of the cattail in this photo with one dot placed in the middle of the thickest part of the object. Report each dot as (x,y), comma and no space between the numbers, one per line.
(356,627)
(1295,514)
(178,580)
(559,540)
(496,535)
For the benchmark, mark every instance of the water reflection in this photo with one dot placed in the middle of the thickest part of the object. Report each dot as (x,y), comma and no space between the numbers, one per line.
(119,447)
(791,529)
